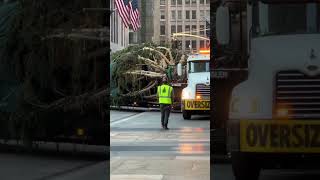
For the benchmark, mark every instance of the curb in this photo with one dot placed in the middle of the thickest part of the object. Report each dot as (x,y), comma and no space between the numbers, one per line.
(139,109)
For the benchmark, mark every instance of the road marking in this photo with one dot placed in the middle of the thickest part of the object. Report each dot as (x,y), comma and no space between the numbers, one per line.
(193,158)
(136,177)
(125,119)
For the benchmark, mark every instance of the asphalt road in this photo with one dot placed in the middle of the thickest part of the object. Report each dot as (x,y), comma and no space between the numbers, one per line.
(223,171)
(141,150)
(47,164)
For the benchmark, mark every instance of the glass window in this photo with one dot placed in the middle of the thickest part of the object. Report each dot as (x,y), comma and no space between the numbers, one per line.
(199,66)
(179,28)
(194,14)
(179,14)
(201,1)
(194,29)
(187,14)
(162,30)
(179,2)
(202,30)
(173,14)
(162,15)
(202,14)
(187,2)
(202,44)
(173,29)
(173,2)
(194,1)
(162,2)
(187,44)
(187,29)
(194,44)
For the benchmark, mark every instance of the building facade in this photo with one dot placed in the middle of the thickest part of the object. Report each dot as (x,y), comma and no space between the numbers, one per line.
(181,16)
(119,34)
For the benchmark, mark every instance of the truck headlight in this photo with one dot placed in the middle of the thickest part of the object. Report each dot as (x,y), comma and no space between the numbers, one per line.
(186,95)
(244,105)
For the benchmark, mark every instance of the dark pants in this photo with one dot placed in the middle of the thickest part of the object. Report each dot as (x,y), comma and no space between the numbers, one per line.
(165,113)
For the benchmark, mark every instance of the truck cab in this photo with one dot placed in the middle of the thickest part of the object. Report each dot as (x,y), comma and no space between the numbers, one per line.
(195,97)
(273,115)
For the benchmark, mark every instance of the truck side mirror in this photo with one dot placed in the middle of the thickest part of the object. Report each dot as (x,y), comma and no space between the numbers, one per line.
(223,25)
(179,69)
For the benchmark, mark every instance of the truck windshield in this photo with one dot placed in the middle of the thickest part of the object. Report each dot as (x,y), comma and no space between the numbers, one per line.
(198,66)
(285,18)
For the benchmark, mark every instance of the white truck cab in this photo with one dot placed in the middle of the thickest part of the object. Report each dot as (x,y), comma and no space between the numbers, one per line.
(195,97)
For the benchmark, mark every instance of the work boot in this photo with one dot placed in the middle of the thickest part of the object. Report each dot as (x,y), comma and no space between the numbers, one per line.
(166,127)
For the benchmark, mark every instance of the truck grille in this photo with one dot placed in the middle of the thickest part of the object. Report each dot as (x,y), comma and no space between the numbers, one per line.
(203,90)
(298,93)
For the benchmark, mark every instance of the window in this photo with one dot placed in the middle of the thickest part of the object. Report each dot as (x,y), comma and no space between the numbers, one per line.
(187,29)
(162,2)
(173,2)
(194,44)
(194,29)
(162,30)
(173,14)
(179,28)
(202,14)
(179,2)
(173,29)
(201,1)
(179,14)
(208,13)
(187,2)
(162,43)
(194,14)
(162,15)
(187,44)
(187,14)
(194,1)
(202,30)
(202,44)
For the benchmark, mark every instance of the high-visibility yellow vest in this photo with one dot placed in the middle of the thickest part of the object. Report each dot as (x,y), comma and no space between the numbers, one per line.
(164,94)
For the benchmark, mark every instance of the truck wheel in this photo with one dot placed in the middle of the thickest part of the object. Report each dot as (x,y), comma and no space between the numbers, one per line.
(245,167)
(186,114)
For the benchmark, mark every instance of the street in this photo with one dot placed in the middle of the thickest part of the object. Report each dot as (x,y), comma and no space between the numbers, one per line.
(223,171)
(47,164)
(141,150)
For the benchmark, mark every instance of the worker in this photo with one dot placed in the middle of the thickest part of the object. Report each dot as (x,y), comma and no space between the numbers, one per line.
(165,95)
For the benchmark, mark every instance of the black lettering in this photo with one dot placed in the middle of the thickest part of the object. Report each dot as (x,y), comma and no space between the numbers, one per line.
(251,135)
(315,139)
(194,105)
(284,136)
(298,137)
(274,134)
(263,134)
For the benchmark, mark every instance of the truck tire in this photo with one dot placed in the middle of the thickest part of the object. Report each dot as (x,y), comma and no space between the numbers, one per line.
(244,166)
(186,114)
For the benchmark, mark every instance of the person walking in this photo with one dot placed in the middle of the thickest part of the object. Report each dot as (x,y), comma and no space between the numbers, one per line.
(165,95)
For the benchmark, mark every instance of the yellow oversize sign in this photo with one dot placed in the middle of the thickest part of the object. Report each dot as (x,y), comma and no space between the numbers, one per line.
(296,136)
(197,105)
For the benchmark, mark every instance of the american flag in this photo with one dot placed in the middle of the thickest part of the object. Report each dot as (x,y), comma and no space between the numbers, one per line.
(129,13)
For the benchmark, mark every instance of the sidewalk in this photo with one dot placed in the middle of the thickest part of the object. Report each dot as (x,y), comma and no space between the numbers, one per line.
(153,168)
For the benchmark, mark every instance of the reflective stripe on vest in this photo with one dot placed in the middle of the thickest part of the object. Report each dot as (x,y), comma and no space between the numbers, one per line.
(164,94)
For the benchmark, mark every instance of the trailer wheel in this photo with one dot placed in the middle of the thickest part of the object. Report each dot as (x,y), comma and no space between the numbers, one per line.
(245,167)
(186,114)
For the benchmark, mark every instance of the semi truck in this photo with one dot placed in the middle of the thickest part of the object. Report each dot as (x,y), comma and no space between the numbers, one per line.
(266,93)
(195,98)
